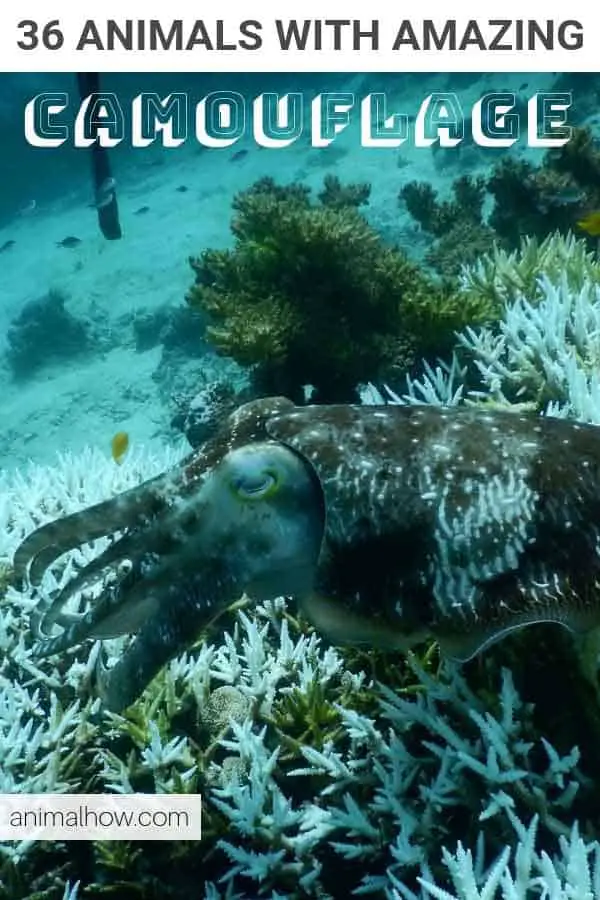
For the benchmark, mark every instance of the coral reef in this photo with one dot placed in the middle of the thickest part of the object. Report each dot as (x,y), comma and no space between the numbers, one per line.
(45,332)
(456,223)
(330,773)
(527,200)
(199,417)
(323,773)
(438,217)
(501,276)
(310,294)
(544,350)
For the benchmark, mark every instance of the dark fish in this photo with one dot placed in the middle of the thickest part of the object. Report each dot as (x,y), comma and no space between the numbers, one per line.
(239,155)
(7,245)
(182,189)
(69,242)
(142,211)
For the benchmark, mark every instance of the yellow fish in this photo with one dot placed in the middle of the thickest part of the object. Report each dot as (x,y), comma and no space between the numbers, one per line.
(591,223)
(118,446)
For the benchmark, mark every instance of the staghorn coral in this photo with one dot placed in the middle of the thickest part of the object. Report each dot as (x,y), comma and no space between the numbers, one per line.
(542,352)
(527,201)
(310,294)
(324,773)
(580,160)
(465,242)
(546,347)
(438,217)
(456,224)
(500,276)
(338,195)
(538,200)
(336,773)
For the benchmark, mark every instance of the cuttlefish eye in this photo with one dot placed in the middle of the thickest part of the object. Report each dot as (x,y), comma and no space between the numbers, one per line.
(255,481)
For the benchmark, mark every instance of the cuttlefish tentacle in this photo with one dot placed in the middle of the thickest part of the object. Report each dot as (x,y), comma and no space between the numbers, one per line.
(46,544)
(126,552)
(122,608)
(140,505)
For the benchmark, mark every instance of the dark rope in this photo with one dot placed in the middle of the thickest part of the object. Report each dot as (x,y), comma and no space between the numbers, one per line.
(106,201)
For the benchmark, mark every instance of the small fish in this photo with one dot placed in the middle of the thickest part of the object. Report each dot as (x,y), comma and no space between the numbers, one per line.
(105,193)
(119,446)
(239,155)
(567,196)
(7,245)
(590,223)
(109,184)
(182,189)
(142,211)
(28,209)
(69,242)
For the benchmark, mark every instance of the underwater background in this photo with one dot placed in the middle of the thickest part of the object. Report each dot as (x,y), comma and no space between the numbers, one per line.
(142,351)
(406,276)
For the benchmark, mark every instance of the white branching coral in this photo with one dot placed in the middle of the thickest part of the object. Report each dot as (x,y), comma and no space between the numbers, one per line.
(543,353)
(439,386)
(520,873)
(501,276)
(546,351)
(308,764)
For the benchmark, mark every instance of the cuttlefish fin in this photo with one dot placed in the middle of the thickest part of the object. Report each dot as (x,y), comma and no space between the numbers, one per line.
(343,625)
(463,646)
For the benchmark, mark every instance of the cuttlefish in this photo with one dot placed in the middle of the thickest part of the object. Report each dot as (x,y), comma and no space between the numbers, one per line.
(388,524)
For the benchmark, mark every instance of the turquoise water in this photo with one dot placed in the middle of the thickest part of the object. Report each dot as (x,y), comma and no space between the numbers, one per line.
(327,772)
(172,203)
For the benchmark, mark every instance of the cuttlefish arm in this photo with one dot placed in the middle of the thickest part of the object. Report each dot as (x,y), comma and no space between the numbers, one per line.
(170,630)
(154,519)
(252,524)
(133,508)
(140,506)
(260,522)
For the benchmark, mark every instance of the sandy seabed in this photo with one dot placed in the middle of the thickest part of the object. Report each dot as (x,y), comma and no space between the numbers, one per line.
(85,401)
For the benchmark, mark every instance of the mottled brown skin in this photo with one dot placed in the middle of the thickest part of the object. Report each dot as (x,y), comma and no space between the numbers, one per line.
(389,524)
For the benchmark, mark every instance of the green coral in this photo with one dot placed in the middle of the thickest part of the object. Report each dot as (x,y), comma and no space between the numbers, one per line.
(456,224)
(499,277)
(311,294)
(527,200)
(340,195)
(438,217)
(536,200)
